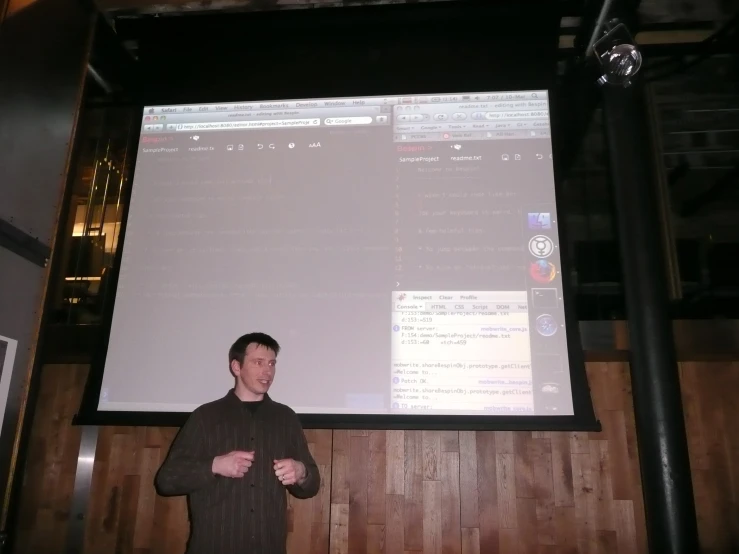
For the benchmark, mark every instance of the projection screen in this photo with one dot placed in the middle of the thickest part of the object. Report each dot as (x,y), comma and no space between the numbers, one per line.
(404,251)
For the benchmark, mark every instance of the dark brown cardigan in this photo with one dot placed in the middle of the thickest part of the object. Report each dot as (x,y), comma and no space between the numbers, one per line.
(246,515)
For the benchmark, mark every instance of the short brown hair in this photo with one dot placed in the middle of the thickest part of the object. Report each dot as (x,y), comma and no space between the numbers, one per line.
(238,348)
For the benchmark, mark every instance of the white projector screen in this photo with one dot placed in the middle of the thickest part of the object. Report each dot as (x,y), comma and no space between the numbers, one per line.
(403,250)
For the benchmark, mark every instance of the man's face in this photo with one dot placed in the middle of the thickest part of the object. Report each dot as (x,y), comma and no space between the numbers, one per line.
(256,374)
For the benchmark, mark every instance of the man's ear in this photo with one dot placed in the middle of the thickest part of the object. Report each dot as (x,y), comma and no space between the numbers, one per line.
(235,368)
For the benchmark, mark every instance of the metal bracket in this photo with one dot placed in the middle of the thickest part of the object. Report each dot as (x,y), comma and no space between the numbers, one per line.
(21,243)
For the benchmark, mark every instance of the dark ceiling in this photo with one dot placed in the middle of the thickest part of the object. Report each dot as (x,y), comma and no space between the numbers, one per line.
(651,11)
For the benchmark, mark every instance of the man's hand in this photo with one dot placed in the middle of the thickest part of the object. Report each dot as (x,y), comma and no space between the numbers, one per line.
(234,464)
(289,471)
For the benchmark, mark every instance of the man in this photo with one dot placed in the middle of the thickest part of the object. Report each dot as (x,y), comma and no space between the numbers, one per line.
(235,458)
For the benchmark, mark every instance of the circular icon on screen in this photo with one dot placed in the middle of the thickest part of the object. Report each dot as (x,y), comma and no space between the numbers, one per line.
(541,246)
(542,271)
(546,325)
(550,388)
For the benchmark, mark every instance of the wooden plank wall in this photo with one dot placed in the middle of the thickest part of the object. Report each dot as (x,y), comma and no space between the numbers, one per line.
(397,492)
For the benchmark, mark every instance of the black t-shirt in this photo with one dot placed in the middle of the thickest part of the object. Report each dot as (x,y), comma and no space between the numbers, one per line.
(253,405)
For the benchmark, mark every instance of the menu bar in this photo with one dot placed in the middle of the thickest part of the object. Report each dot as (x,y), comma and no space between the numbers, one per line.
(345,102)
(254,106)
(472,135)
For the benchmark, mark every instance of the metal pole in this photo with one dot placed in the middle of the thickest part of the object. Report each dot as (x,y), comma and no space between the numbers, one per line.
(660,424)
(81,493)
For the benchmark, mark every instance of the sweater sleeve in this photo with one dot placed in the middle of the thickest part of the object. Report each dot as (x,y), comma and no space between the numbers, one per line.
(312,483)
(187,468)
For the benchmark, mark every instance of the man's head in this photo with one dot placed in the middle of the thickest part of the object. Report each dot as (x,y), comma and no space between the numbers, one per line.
(252,359)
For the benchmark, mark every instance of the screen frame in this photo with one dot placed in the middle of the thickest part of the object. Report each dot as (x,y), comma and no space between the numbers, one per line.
(583,419)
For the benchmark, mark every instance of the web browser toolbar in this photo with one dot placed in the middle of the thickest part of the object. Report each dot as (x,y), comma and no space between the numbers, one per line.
(475,116)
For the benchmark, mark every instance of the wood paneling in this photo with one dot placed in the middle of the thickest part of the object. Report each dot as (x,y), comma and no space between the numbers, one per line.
(48,477)
(396,492)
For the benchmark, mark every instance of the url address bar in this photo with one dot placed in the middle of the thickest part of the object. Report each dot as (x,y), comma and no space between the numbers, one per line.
(235,125)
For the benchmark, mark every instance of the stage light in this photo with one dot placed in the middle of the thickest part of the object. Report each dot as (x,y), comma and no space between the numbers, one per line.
(618,55)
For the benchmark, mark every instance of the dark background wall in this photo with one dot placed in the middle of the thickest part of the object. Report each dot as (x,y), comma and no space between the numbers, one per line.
(43,47)
(399,49)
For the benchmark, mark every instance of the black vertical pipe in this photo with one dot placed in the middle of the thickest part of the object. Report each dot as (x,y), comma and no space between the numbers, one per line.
(660,425)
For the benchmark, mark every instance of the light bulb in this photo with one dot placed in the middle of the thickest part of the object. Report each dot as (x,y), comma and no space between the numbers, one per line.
(618,55)
(620,64)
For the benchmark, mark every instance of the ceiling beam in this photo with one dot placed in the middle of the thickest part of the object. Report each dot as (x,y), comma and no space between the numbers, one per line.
(651,38)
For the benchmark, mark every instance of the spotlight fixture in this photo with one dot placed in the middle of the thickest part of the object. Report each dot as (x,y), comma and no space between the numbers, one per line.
(618,55)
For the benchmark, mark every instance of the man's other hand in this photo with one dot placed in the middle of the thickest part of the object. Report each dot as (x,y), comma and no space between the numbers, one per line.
(289,471)
(234,464)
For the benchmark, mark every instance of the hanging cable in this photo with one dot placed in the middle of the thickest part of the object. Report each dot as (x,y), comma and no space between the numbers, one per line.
(599,25)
